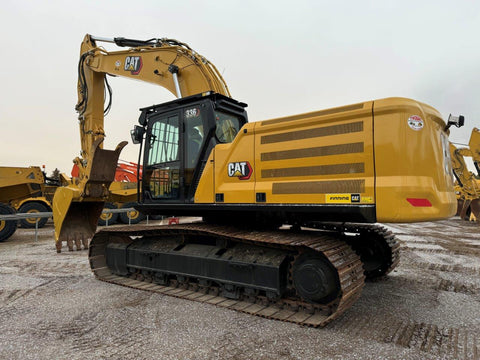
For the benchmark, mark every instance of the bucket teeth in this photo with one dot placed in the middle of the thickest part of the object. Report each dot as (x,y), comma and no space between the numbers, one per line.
(70,244)
(75,242)
(78,244)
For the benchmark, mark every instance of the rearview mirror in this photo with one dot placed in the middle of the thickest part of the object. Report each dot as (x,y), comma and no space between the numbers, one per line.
(458,121)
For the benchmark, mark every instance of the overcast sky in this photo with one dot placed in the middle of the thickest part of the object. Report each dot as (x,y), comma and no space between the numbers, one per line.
(280,57)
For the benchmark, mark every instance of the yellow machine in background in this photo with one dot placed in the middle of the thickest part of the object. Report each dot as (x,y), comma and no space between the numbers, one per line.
(29,190)
(23,190)
(468,185)
(327,174)
(122,195)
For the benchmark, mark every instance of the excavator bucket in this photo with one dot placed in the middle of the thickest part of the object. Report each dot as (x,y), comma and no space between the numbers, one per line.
(77,207)
(460,203)
(475,209)
(462,211)
(75,221)
(469,209)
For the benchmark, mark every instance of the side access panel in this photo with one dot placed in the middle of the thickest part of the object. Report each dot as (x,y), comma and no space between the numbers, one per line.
(322,158)
(234,169)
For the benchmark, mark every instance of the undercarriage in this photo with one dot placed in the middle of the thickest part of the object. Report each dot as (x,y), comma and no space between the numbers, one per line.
(309,277)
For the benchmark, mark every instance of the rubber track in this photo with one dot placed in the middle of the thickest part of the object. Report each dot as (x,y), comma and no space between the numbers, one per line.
(343,258)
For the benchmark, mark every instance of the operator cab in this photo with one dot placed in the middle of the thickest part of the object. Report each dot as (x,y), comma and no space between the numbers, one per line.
(177,138)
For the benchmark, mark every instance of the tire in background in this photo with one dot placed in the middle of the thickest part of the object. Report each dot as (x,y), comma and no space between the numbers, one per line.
(135,216)
(32,207)
(112,217)
(7,227)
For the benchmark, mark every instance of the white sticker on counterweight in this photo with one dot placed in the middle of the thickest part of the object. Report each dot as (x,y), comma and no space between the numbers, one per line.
(415,122)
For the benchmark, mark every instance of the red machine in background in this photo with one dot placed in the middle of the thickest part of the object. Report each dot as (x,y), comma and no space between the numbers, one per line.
(123,194)
(126,171)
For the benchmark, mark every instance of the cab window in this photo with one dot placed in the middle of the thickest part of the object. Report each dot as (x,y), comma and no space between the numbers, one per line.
(164,141)
(227,126)
(194,135)
(162,173)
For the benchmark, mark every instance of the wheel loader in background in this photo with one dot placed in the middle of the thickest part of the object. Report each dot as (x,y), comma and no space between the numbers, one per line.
(467,184)
(288,204)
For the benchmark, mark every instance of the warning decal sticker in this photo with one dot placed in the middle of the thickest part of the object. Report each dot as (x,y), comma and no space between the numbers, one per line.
(415,122)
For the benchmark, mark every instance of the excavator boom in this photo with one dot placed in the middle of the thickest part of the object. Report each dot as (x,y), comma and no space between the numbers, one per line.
(164,62)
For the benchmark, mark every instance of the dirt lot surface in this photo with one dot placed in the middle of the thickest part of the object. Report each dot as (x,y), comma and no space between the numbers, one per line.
(51,307)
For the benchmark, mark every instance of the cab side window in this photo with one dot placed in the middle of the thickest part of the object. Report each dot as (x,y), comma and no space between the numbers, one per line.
(194,135)
(164,141)
(162,172)
(227,126)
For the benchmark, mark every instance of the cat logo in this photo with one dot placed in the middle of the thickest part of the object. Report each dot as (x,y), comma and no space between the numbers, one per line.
(243,170)
(133,64)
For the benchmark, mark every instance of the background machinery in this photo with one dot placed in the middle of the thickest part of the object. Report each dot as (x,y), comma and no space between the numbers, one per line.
(325,175)
(24,190)
(467,184)
(29,190)
(122,194)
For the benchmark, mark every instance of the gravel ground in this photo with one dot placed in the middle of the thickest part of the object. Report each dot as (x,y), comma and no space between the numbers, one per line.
(428,308)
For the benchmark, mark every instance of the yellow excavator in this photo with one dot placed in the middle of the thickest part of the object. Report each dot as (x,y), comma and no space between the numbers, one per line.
(467,184)
(288,204)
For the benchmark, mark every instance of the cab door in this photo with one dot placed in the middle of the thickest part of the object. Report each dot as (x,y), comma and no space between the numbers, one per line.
(162,178)
(195,130)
